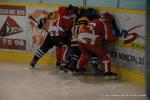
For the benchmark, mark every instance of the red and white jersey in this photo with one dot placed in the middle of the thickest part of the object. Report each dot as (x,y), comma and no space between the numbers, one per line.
(53,29)
(63,23)
(96,31)
(66,22)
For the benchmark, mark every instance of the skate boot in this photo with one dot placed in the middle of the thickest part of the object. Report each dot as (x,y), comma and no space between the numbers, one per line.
(71,67)
(75,71)
(71,71)
(79,71)
(58,64)
(63,69)
(110,76)
(33,63)
(95,69)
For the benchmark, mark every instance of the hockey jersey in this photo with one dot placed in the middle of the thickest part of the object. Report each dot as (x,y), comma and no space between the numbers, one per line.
(79,24)
(96,31)
(62,24)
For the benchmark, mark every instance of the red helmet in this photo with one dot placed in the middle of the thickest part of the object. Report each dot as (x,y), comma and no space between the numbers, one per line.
(67,10)
(62,10)
(107,16)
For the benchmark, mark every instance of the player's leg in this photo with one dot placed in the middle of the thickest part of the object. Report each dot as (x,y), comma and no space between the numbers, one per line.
(74,57)
(48,44)
(84,58)
(106,62)
(58,56)
(64,57)
(94,62)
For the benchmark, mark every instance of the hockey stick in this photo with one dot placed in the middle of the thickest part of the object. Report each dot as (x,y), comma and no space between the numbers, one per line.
(33,19)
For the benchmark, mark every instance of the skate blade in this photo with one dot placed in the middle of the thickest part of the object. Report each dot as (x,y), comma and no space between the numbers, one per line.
(31,67)
(61,72)
(110,77)
(69,72)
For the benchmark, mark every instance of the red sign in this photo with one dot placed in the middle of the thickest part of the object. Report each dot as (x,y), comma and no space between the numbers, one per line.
(17,44)
(12,10)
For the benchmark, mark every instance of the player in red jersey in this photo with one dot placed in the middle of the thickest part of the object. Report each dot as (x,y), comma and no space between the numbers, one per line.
(58,35)
(91,41)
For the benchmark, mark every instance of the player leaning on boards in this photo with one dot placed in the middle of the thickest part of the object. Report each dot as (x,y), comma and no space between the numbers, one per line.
(91,38)
(58,36)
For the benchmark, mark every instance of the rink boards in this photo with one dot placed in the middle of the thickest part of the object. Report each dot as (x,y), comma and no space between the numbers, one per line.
(20,39)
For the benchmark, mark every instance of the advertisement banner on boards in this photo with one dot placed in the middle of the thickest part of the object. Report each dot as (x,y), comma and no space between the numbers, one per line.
(13,27)
(129,50)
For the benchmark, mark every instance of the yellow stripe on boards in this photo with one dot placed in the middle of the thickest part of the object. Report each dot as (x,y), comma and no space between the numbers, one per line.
(123,10)
(31,5)
(25,57)
(57,5)
(129,75)
(134,45)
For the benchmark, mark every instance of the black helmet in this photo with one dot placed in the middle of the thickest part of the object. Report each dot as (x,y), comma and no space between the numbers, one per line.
(72,8)
(91,13)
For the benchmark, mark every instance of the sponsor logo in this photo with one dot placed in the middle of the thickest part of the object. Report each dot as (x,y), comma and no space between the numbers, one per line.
(136,59)
(12,10)
(127,39)
(128,35)
(10,27)
(17,44)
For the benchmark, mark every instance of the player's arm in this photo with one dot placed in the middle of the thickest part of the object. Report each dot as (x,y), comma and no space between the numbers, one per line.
(43,21)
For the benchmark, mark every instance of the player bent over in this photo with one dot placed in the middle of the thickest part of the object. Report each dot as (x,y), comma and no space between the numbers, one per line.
(82,20)
(91,41)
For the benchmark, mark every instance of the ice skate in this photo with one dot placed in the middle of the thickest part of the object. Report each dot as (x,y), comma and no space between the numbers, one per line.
(110,76)
(75,71)
(33,63)
(78,71)
(63,70)
(57,62)
(95,69)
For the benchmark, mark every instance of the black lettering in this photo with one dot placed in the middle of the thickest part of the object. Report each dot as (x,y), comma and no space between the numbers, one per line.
(141,61)
(113,54)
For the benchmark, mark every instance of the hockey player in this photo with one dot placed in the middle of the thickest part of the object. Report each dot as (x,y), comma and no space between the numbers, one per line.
(48,42)
(84,16)
(90,41)
(81,20)
(58,36)
(115,30)
(66,21)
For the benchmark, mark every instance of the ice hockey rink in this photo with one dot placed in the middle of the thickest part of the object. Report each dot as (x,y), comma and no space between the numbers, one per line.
(18,82)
